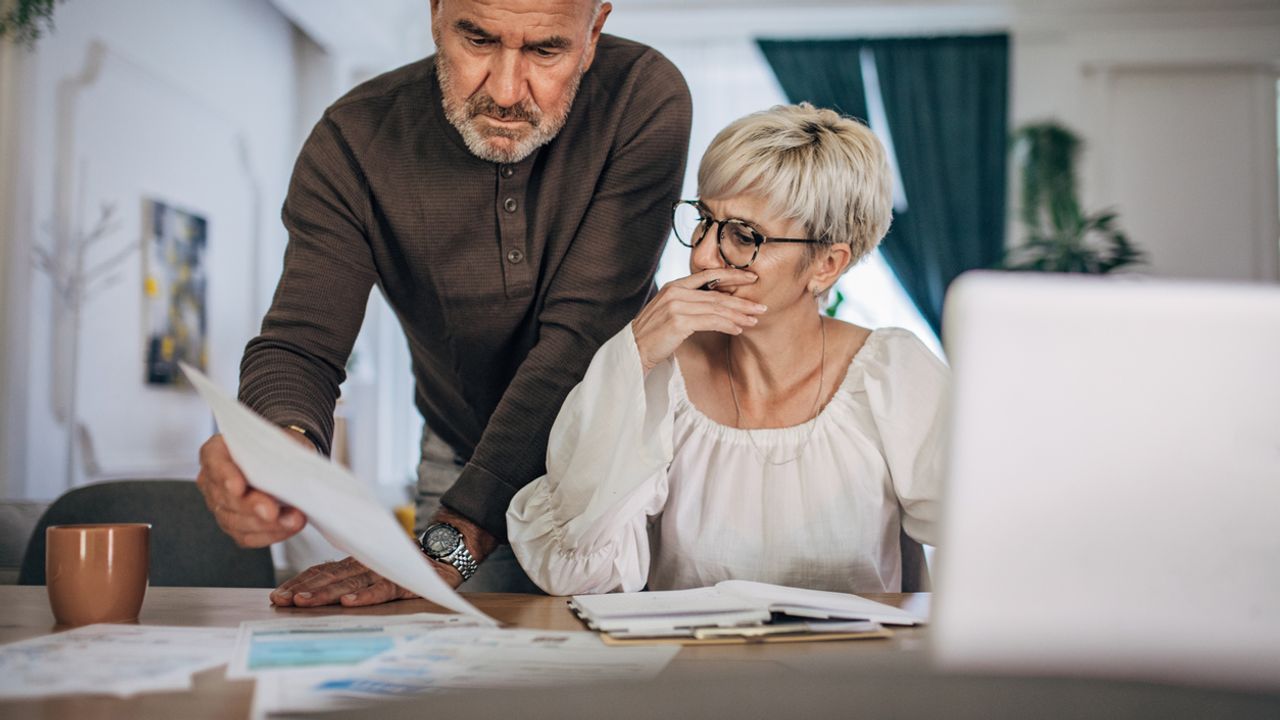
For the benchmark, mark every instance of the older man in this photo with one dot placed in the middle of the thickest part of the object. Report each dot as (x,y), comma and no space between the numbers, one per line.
(510,198)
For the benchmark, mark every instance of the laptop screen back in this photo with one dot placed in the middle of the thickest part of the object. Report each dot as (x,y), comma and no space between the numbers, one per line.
(1113,498)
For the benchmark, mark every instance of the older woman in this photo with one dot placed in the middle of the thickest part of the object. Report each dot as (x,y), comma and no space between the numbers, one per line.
(732,430)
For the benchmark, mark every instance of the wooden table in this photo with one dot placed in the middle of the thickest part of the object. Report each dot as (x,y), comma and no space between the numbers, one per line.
(867,678)
(24,613)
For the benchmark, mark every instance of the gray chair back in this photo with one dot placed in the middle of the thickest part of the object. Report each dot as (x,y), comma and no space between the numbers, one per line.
(915,570)
(188,549)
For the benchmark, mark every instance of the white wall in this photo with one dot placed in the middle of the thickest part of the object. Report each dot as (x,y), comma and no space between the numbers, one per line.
(1178,113)
(1106,68)
(235,74)
(713,43)
(191,103)
(12,71)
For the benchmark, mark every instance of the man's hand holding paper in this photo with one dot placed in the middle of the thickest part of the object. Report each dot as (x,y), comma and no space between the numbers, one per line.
(337,503)
(251,517)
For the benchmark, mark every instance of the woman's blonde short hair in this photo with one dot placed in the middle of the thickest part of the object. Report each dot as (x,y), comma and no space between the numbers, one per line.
(810,165)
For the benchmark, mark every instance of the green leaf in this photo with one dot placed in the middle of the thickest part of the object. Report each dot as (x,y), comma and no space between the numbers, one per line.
(27,20)
(1058,235)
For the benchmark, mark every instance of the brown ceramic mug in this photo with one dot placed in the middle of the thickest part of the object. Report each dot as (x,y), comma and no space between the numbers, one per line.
(96,573)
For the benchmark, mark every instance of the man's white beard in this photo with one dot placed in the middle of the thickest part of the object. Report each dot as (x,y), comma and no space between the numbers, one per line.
(465,117)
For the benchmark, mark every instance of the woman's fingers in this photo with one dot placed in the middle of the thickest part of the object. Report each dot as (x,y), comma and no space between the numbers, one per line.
(723,277)
(710,319)
(742,305)
(681,310)
(695,310)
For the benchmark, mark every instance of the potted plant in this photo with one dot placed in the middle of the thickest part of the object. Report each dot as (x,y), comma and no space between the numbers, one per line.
(1059,235)
(24,21)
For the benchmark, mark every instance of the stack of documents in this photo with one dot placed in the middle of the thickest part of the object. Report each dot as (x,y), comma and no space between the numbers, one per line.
(738,609)
(119,660)
(318,664)
(330,641)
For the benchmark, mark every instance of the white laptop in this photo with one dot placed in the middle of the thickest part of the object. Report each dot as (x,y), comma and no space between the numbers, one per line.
(1113,503)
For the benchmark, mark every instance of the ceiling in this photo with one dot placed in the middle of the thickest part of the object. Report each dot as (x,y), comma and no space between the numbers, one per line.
(387,29)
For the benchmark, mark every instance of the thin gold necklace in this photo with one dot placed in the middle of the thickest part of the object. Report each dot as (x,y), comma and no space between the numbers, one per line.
(817,402)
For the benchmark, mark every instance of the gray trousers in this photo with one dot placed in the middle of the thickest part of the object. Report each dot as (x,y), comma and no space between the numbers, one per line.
(437,471)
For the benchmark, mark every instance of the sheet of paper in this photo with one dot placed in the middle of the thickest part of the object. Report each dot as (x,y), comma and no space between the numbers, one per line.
(819,604)
(680,623)
(706,600)
(464,658)
(333,499)
(328,642)
(119,660)
(521,658)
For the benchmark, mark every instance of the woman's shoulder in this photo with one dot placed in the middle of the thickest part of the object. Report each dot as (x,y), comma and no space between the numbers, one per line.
(845,340)
(888,354)
(887,344)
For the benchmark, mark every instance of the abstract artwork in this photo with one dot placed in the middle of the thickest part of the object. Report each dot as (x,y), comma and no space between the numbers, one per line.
(175,283)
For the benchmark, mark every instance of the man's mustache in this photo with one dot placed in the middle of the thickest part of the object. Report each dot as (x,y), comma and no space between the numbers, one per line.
(524,111)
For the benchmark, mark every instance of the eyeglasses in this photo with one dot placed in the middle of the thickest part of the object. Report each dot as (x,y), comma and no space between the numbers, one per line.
(739,243)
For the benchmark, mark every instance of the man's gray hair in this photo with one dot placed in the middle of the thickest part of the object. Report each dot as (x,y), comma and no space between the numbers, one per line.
(810,165)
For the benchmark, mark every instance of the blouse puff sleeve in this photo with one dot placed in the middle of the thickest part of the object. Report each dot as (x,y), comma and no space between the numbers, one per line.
(583,527)
(908,392)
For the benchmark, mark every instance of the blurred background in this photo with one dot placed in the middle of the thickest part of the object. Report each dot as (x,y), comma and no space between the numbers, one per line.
(146,148)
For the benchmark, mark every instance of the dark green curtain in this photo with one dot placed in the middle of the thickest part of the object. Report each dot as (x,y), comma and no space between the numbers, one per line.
(946,100)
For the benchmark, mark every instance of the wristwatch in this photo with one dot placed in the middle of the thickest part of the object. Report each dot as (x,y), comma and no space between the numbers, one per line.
(443,542)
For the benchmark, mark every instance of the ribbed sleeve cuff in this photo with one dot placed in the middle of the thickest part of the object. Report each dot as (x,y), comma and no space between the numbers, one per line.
(481,497)
(286,394)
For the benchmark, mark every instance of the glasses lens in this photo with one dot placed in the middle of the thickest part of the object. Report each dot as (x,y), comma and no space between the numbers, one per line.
(688,224)
(738,243)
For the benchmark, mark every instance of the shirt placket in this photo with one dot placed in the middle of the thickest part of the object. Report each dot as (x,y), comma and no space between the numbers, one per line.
(513,229)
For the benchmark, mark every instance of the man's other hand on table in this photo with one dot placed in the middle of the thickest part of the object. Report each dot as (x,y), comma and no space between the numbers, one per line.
(349,583)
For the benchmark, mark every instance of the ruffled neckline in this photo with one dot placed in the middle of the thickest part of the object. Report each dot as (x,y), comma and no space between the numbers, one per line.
(792,434)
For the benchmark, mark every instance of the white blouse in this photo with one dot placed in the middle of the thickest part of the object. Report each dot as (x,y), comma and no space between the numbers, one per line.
(643,489)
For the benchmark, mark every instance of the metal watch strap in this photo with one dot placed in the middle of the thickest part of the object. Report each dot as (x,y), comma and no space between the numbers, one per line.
(463,561)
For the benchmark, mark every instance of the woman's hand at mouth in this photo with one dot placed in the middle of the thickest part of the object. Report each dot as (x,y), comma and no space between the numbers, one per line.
(683,307)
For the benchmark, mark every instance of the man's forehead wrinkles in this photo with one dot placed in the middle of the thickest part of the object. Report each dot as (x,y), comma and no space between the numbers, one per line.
(467,26)
(517,27)
(530,36)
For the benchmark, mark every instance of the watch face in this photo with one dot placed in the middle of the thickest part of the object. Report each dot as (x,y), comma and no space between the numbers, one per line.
(440,541)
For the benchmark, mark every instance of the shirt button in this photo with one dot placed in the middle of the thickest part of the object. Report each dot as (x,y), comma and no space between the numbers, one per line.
(509,205)
(508,171)
(515,257)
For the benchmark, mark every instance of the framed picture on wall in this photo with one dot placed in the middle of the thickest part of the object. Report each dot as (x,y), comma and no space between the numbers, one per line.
(175,285)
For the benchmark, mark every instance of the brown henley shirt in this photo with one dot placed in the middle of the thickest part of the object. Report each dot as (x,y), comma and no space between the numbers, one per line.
(505,278)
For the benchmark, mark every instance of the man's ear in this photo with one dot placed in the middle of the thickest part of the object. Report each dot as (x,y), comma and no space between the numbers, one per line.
(605,9)
(437,21)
